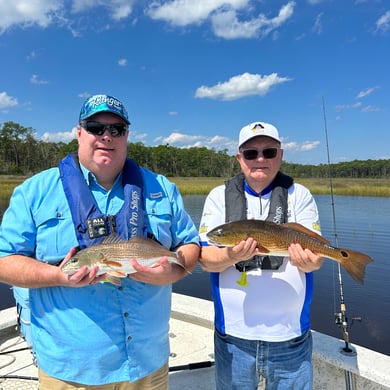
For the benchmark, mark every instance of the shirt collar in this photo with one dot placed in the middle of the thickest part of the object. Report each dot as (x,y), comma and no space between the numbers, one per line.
(90,178)
(265,191)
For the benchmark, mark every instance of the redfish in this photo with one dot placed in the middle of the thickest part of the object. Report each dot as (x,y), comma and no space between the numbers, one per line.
(274,239)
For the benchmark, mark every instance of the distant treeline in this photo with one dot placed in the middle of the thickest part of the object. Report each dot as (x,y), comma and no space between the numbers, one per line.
(22,154)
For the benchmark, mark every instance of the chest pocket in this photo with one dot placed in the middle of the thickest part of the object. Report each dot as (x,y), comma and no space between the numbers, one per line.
(54,235)
(159,215)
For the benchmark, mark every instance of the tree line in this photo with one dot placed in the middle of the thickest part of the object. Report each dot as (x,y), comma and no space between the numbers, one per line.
(22,154)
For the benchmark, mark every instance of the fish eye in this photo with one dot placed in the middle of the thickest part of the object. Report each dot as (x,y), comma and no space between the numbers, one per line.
(219,232)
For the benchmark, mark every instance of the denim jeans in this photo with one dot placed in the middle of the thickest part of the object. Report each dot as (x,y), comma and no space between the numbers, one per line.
(240,363)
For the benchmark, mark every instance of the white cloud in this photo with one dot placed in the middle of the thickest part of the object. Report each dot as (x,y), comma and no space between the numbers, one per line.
(366,92)
(60,136)
(223,15)
(181,140)
(300,146)
(317,28)
(36,80)
(43,13)
(226,24)
(371,109)
(84,95)
(7,101)
(383,23)
(119,9)
(122,62)
(26,13)
(186,12)
(218,142)
(343,107)
(240,86)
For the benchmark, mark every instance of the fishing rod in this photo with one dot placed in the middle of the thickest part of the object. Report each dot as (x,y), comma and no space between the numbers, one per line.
(341,318)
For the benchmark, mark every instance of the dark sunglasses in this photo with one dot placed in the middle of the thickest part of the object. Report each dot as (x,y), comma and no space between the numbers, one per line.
(253,154)
(97,128)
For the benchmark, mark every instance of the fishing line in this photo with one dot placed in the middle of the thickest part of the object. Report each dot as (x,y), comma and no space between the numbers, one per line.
(340,317)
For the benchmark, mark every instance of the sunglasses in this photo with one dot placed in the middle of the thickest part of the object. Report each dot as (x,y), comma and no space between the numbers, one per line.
(253,154)
(97,128)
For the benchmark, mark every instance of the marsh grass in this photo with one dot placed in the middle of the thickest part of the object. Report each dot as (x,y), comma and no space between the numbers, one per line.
(341,186)
(203,185)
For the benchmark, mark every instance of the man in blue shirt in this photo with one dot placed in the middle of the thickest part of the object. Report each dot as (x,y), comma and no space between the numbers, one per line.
(86,331)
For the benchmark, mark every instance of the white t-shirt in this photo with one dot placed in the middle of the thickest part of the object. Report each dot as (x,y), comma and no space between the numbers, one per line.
(273,305)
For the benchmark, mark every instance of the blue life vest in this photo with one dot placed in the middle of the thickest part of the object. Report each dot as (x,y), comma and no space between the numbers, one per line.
(130,221)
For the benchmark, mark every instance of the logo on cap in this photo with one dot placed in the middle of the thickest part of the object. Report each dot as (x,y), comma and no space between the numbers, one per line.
(103,103)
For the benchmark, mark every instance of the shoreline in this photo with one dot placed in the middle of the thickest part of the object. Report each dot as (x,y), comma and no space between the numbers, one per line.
(203,185)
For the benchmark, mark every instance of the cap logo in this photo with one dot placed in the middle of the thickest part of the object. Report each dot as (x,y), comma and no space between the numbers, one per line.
(110,101)
(255,127)
(103,103)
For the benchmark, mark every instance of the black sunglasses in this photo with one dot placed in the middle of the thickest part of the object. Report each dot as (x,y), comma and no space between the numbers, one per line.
(97,128)
(253,154)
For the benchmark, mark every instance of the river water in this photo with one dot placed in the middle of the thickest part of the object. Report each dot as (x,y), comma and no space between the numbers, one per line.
(362,224)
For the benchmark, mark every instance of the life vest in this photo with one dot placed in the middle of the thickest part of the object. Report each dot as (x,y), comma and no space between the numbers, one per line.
(90,224)
(236,210)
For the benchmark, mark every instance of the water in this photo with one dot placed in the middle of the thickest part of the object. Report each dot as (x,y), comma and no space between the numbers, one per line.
(362,224)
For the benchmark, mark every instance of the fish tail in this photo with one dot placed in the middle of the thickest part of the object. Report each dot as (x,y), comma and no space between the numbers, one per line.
(355,263)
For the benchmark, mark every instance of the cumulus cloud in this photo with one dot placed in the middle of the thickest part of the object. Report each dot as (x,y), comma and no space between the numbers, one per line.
(185,12)
(26,13)
(223,14)
(240,86)
(7,101)
(218,142)
(226,24)
(43,13)
(300,146)
(182,140)
(60,136)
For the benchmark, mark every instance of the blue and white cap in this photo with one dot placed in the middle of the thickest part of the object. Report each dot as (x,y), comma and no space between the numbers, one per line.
(103,103)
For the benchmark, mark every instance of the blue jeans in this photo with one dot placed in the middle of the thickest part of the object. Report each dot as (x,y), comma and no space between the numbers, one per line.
(240,363)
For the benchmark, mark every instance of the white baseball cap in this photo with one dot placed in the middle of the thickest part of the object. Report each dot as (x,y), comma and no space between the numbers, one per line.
(256,129)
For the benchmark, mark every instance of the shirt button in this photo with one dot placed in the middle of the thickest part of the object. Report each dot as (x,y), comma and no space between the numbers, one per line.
(126,314)
(120,288)
(128,338)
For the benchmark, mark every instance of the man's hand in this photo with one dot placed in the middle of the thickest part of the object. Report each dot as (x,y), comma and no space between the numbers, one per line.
(304,259)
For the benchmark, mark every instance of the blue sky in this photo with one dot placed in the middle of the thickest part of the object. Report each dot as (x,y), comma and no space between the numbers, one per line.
(192,73)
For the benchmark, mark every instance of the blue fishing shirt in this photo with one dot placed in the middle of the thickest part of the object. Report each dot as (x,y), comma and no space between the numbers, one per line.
(100,333)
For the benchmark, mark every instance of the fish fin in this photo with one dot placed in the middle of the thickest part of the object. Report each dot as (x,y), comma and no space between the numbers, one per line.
(117,274)
(113,279)
(355,263)
(302,229)
(113,238)
(112,263)
(146,240)
(262,250)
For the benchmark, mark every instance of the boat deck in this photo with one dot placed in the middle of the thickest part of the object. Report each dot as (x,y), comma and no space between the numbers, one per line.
(191,360)
(191,353)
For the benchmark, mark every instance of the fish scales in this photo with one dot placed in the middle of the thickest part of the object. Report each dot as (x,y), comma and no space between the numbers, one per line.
(112,256)
(274,239)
